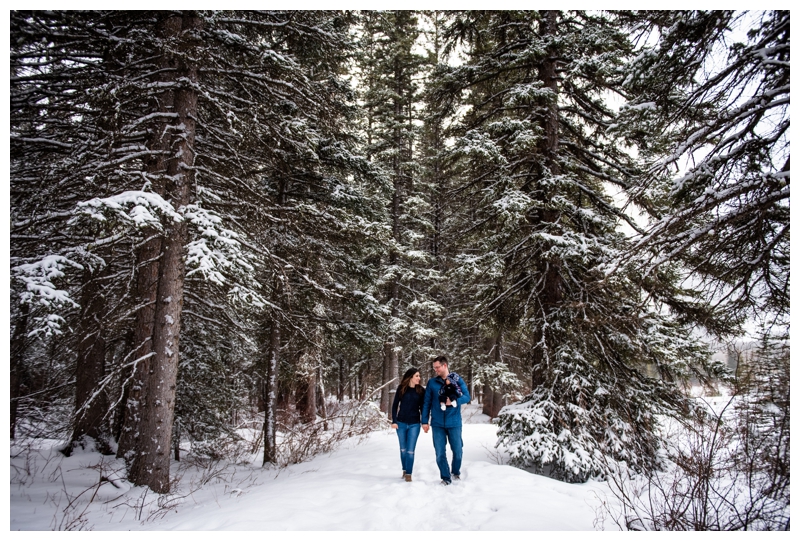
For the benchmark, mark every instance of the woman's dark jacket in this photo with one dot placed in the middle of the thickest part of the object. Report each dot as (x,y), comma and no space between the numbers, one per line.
(410,406)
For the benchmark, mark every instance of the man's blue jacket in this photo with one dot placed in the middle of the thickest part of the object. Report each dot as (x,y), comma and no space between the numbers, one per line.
(449,418)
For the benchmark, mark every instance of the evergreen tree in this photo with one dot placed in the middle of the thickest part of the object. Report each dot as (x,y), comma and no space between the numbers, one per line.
(536,159)
(390,69)
(708,110)
(257,99)
(204,222)
(764,420)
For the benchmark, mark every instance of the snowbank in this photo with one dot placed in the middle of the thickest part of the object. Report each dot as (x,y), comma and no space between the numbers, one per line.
(358,487)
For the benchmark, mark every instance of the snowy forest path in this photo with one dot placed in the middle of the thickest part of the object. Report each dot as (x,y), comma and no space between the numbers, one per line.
(357,487)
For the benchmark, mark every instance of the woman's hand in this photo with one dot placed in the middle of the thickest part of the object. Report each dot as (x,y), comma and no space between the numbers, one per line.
(394,425)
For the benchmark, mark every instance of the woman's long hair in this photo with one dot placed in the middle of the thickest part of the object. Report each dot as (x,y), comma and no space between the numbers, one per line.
(407,379)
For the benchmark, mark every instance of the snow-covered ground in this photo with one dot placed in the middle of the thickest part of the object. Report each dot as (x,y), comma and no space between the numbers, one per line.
(357,487)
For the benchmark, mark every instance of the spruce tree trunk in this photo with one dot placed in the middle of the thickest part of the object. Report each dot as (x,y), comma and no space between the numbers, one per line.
(151,467)
(340,383)
(271,395)
(321,396)
(177,440)
(498,401)
(389,350)
(309,367)
(549,77)
(148,259)
(307,394)
(390,367)
(389,373)
(352,383)
(91,404)
(362,385)
(119,412)
(551,295)
(17,352)
(488,395)
(489,346)
(146,289)
(498,398)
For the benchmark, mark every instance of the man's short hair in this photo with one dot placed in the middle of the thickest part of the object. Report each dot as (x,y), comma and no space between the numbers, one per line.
(441,359)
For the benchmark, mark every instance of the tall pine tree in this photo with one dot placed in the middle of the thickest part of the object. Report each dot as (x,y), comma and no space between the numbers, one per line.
(536,161)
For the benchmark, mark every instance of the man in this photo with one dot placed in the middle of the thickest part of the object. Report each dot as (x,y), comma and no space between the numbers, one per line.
(446,423)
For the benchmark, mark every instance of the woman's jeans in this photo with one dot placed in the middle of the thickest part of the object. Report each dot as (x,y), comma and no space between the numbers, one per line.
(441,436)
(407,434)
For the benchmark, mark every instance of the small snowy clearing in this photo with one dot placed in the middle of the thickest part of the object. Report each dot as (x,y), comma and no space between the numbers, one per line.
(357,487)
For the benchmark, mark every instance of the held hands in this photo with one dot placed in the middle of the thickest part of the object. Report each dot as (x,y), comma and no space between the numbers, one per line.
(425,428)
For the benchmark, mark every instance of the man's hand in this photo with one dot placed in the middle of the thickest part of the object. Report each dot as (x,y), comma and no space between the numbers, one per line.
(394,425)
(425,428)
(448,402)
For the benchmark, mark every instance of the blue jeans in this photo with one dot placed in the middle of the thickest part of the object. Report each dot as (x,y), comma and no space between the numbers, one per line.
(407,434)
(440,438)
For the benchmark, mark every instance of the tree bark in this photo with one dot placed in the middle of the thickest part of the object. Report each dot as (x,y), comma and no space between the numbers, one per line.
(271,394)
(17,353)
(488,395)
(340,384)
(390,368)
(321,396)
(491,348)
(548,75)
(389,373)
(498,398)
(552,293)
(352,383)
(498,401)
(151,467)
(136,393)
(177,440)
(91,404)
(307,393)
(148,260)
(389,350)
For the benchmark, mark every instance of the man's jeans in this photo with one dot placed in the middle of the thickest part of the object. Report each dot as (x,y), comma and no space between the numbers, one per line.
(440,437)
(407,434)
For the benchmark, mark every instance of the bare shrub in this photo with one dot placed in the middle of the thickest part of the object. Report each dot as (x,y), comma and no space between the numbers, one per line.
(228,446)
(44,419)
(34,461)
(497,456)
(716,477)
(298,442)
(73,515)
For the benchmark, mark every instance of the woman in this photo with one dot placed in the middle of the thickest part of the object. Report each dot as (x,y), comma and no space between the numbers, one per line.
(406,417)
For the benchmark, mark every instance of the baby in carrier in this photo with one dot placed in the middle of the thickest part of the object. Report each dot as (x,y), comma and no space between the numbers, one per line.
(450,390)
